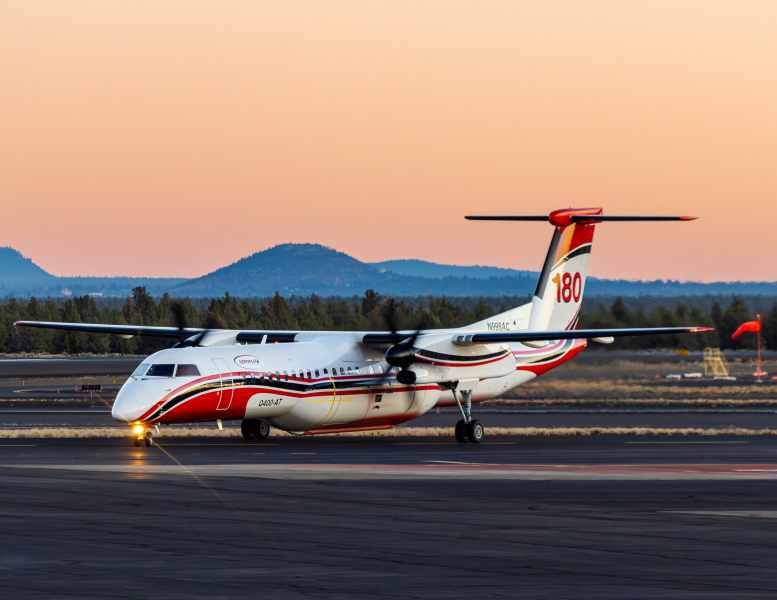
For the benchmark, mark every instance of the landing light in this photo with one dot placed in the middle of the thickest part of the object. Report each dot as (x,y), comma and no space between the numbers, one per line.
(138,429)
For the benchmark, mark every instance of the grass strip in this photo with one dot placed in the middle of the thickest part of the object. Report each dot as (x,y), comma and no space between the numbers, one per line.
(232,432)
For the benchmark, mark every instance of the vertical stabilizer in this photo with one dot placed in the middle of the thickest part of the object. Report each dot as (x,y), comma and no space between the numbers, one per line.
(559,293)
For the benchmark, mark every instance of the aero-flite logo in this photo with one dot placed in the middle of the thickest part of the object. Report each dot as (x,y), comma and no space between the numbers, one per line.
(248,362)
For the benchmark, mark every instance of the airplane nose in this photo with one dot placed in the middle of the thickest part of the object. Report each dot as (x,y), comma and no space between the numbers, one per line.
(131,402)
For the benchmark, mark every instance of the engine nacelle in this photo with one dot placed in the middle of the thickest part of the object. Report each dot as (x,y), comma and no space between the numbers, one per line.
(439,360)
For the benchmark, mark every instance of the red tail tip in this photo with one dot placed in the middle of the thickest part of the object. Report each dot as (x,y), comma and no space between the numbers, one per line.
(563,217)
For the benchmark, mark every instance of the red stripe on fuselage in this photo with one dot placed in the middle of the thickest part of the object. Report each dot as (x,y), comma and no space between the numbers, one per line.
(460,364)
(538,370)
(203,407)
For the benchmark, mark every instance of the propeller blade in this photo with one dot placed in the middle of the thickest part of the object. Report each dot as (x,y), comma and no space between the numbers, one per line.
(179,318)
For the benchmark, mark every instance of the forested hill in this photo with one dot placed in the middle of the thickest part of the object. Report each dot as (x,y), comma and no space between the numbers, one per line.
(304,269)
(20,273)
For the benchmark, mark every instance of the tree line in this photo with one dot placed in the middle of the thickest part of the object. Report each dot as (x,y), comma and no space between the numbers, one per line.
(359,313)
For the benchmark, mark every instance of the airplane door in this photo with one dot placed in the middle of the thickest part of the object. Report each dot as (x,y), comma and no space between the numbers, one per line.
(225,393)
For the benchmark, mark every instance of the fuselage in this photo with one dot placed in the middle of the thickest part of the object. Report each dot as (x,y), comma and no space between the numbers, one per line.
(328,383)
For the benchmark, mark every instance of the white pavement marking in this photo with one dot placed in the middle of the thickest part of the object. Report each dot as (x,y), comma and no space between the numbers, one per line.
(763,514)
(309,471)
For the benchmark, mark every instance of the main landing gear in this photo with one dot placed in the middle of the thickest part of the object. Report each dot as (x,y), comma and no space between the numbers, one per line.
(254,429)
(468,429)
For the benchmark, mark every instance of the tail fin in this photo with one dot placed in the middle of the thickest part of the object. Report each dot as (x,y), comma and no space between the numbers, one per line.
(559,293)
(556,302)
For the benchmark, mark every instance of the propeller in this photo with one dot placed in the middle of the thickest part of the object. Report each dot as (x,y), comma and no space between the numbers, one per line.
(179,318)
(401,354)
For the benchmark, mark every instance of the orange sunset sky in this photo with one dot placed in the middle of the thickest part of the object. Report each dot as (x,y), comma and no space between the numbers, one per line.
(169,138)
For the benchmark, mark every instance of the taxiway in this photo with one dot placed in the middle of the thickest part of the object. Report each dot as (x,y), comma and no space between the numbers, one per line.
(593,517)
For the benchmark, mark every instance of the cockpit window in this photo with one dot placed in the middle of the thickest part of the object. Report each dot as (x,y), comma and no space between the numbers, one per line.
(141,370)
(161,371)
(187,371)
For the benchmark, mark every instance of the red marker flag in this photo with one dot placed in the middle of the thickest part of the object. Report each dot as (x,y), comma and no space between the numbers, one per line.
(749,326)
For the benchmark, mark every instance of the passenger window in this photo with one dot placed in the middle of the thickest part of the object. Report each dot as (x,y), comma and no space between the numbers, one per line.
(342,371)
(161,371)
(187,371)
(309,377)
(294,376)
(316,372)
(326,372)
(285,375)
(349,370)
(277,375)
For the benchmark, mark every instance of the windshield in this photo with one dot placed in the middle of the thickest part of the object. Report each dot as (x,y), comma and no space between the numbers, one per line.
(141,370)
(161,371)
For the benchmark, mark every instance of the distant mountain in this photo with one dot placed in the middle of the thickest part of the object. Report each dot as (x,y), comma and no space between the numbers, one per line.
(422,268)
(21,276)
(300,269)
(304,269)
(16,271)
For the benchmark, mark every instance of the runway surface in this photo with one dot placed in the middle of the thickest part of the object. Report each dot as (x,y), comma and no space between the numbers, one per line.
(592,517)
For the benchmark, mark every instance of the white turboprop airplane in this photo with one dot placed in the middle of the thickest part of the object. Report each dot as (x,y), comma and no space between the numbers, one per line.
(308,382)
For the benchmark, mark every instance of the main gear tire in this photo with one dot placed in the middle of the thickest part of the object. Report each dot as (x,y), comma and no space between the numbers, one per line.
(148,439)
(261,430)
(461,432)
(475,432)
(247,429)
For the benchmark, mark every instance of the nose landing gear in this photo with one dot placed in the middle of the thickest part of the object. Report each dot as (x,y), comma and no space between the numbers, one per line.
(142,436)
(255,429)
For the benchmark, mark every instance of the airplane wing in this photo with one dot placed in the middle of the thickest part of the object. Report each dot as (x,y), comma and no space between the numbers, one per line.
(161,332)
(495,337)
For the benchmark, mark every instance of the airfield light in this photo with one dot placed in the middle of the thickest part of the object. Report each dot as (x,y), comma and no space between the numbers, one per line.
(138,429)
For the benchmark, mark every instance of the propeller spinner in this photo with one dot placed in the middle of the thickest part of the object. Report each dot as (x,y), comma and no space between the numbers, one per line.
(401,354)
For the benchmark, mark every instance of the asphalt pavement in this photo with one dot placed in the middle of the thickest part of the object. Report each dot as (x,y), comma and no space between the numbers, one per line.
(594,517)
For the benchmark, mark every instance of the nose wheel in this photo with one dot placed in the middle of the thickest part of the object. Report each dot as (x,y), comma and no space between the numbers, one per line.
(144,438)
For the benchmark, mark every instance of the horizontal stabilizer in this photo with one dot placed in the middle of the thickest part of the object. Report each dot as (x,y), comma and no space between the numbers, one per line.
(587,219)
(496,337)
(508,218)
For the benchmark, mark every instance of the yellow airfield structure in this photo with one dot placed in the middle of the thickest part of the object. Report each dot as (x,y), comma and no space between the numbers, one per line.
(715,363)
